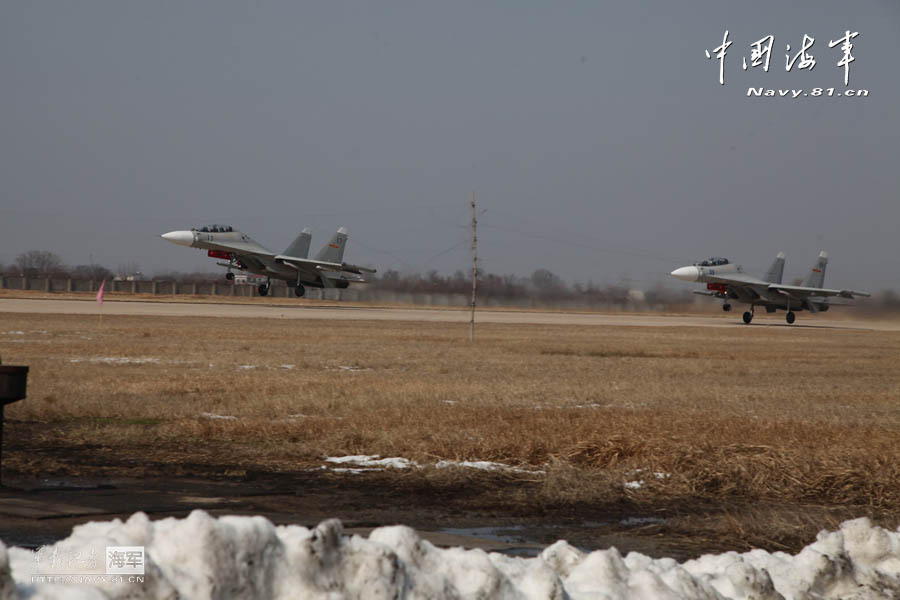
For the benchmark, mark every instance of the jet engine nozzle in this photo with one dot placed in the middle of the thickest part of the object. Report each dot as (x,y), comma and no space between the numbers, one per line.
(686,273)
(182,238)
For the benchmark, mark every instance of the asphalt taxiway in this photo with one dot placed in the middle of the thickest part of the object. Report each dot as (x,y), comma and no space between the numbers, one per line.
(439,315)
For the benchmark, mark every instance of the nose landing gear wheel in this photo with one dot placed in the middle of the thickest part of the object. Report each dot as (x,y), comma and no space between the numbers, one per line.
(790,317)
(748,316)
(263,289)
(229,276)
(299,290)
(726,307)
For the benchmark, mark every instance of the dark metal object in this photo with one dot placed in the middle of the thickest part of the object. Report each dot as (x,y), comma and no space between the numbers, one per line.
(12,383)
(13,380)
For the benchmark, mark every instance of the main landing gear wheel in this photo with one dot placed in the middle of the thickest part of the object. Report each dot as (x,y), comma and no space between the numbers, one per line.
(726,307)
(299,290)
(229,276)
(748,316)
(263,289)
(790,317)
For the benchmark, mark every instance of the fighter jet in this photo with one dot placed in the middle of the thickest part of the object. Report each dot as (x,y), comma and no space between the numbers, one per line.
(728,281)
(326,270)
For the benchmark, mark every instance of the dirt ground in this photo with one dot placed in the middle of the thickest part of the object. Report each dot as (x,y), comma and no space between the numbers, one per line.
(480,511)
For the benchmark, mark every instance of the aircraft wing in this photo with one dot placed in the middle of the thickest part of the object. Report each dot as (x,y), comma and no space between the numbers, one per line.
(799,291)
(311,265)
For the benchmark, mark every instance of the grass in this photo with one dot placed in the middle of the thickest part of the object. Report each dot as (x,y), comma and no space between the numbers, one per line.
(736,417)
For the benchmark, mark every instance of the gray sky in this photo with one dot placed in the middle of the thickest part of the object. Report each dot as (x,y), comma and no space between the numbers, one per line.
(595,134)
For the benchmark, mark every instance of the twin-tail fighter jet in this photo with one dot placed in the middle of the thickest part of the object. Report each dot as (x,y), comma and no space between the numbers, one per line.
(326,270)
(728,281)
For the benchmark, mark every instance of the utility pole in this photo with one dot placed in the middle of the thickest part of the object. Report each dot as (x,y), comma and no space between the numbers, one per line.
(474,269)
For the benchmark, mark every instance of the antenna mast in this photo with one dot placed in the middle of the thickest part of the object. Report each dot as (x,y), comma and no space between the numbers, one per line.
(474,269)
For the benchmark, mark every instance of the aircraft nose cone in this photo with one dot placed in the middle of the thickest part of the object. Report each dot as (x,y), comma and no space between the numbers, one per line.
(182,238)
(686,273)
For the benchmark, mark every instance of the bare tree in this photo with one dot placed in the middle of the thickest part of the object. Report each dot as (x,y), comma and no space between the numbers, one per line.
(128,268)
(96,272)
(40,262)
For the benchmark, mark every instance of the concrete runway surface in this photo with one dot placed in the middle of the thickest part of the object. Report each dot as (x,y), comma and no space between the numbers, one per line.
(438,315)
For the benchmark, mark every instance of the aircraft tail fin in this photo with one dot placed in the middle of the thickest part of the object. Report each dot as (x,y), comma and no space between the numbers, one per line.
(299,248)
(333,251)
(816,277)
(776,271)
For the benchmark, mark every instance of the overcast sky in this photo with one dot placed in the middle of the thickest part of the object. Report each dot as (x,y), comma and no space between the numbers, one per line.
(595,134)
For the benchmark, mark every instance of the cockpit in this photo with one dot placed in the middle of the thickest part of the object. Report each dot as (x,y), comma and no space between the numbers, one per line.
(712,262)
(214,229)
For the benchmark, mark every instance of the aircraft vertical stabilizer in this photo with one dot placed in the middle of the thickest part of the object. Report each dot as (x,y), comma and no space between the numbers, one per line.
(816,277)
(299,248)
(776,271)
(333,251)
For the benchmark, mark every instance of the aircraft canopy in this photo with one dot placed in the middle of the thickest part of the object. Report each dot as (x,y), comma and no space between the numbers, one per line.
(214,229)
(712,262)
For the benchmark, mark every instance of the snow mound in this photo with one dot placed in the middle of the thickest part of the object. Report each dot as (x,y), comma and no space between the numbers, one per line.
(249,557)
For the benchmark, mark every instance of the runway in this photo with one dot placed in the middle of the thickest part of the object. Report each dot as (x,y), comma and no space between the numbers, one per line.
(438,315)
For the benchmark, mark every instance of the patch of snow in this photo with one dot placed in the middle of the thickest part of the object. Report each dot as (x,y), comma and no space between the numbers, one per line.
(12,332)
(637,484)
(350,368)
(247,367)
(250,558)
(119,360)
(372,460)
(214,416)
(288,367)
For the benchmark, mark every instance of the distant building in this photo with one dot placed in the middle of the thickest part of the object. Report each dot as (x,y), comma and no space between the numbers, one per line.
(136,276)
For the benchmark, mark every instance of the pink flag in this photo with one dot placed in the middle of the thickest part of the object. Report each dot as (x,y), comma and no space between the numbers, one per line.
(100,293)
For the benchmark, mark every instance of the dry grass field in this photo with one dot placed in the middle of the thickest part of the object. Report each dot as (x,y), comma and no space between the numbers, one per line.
(782,430)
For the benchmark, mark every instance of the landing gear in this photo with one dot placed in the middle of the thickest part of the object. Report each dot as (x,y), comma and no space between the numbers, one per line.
(263,289)
(229,276)
(748,316)
(726,307)
(790,317)
(299,290)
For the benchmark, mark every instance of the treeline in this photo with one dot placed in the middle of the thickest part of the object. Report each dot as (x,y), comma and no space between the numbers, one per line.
(42,263)
(542,284)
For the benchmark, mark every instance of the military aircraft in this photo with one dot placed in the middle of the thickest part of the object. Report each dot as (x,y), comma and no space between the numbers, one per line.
(728,281)
(326,270)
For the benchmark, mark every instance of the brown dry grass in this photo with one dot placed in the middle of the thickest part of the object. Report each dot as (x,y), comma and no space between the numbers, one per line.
(782,415)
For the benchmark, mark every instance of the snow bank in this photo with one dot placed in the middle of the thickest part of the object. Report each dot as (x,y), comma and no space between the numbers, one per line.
(249,557)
